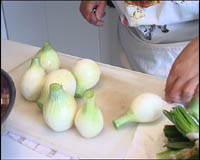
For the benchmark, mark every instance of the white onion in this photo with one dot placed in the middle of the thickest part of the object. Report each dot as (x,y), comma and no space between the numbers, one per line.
(89,120)
(59,109)
(49,59)
(32,81)
(87,74)
(60,76)
(146,107)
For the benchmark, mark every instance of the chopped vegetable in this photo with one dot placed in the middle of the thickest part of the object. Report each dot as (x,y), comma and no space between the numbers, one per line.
(89,120)
(59,109)
(32,81)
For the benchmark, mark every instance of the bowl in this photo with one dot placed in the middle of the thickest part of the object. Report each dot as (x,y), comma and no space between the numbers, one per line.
(8,93)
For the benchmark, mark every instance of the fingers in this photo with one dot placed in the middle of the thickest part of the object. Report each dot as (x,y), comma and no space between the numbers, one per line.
(183,91)
(171,80)
(93,20)
(100,10)
(87,10)
(183,80)
(172,86)
(172,92)
(189,89)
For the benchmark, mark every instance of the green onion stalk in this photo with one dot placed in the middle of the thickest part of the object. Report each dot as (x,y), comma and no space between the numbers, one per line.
(183,136)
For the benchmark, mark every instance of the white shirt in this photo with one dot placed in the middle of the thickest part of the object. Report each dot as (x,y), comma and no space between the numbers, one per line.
(163,22)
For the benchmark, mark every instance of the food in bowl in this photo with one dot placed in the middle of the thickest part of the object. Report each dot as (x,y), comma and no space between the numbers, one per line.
(8,93)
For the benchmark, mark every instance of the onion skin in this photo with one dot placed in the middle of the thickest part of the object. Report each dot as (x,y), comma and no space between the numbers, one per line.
(32,81)
(60,108)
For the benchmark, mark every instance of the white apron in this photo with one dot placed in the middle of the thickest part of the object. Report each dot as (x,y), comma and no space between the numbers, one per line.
(151,43)
(154,59)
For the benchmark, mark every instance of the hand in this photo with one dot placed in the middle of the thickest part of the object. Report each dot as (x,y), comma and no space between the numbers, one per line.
(183,80)
(87,10)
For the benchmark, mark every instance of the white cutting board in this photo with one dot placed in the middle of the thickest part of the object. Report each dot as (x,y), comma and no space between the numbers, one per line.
(114,92)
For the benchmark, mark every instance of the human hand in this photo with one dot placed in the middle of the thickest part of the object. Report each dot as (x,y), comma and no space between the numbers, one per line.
(93,17)
(183,79)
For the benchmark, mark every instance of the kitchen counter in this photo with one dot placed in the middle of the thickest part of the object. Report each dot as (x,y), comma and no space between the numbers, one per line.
(130,145)
(12,145)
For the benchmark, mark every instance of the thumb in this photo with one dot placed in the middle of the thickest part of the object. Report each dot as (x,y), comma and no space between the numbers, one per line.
(100,10)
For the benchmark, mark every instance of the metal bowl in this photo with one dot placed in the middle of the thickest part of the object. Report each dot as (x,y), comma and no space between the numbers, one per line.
(8,93)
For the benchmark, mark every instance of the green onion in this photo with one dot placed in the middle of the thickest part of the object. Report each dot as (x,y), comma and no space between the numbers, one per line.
(179,145)
(184,123)
(173,135)
(193,108)
(183,139)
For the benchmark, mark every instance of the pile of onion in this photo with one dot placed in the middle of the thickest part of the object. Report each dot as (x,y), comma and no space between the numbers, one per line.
(54,89)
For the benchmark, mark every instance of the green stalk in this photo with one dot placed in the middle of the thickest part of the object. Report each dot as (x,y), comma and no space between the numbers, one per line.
(124,119)
(79,91)
(90,102)
(169,115)
(40,105)
(178,139)
(170,131)
(46,47)
(90,110)
(193,107)
(185,121)
(182,120)
(173,135)
(42,98)
(179,145)
(56,92)
(35,62)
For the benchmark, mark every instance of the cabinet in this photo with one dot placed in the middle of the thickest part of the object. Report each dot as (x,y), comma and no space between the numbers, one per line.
(61,23)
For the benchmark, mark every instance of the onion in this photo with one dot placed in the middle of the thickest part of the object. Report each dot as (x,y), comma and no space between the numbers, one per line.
(49,59)
(61,76)
(87,74)
(59,109)
(89,120)
(146,107)
(32,81)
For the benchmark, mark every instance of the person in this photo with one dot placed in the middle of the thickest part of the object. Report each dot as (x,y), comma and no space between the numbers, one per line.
(160,38)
